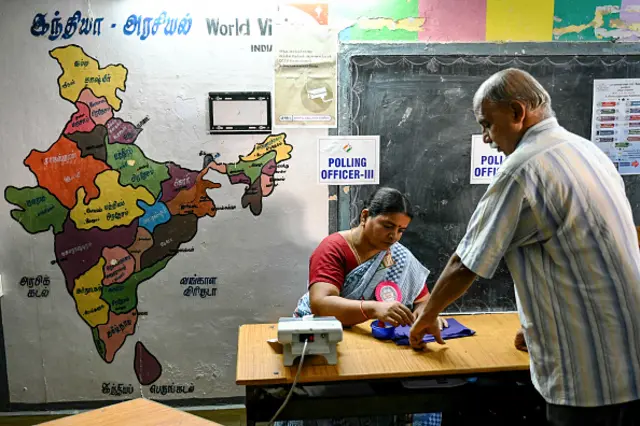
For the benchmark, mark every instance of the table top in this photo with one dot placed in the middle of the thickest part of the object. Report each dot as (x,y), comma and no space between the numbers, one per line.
(362,357)
(138,412)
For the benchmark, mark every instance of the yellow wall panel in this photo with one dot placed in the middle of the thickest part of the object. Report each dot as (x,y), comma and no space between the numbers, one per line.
(519,20)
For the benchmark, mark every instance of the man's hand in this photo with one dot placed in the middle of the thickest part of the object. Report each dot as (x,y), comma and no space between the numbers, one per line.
(453,282)
(424,326)
(442,323)
(519,341)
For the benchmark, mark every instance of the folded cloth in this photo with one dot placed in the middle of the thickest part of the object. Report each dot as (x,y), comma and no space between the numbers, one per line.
(455,330)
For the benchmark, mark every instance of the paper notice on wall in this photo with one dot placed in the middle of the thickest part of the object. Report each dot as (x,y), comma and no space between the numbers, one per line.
(349,160)
(485,161)
(615,124)
(305,70)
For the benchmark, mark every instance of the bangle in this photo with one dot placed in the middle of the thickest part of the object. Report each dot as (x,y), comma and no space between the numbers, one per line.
(362,310)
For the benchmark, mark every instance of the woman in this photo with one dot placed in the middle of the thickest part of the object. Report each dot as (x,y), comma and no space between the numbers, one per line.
(365,273)
(349,268)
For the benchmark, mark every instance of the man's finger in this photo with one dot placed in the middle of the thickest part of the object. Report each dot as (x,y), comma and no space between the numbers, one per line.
(416,340)
(414,336)
(438,336)
(418,345)
(417,328)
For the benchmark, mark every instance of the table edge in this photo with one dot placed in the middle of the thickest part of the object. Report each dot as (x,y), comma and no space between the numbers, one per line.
(392,376)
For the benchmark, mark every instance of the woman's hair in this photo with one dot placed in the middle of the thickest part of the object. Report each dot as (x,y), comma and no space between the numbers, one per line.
(388,200)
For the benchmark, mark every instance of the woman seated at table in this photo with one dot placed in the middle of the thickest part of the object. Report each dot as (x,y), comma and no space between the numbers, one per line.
(365,273)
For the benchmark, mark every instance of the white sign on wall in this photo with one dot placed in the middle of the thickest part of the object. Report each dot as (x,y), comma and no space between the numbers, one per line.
(485,161)
(349,160)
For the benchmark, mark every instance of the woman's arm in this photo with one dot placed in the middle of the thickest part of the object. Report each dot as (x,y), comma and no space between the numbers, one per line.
(325,300)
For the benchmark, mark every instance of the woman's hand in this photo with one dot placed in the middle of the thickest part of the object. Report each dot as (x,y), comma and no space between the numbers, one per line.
(442,323)
(394,313)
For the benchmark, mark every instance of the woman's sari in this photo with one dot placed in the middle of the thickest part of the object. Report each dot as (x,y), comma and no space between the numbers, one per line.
(397,265)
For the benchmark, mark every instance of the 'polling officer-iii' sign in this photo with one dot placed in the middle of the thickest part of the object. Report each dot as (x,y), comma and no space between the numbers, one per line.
(485,161)
(349,160)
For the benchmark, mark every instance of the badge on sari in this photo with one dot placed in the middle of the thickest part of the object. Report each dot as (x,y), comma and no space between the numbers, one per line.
(388,291)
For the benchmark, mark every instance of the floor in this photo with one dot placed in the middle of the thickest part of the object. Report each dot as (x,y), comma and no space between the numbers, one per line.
(223,417)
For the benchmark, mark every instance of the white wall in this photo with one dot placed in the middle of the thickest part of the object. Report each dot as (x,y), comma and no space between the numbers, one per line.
(261,262)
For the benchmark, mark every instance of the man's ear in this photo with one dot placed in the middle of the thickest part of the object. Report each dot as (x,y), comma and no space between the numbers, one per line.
(518,111)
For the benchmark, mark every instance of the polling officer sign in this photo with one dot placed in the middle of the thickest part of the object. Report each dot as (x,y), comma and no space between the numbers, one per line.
(485,161)
(349,160)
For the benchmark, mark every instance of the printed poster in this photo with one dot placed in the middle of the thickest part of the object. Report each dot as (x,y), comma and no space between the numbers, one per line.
(305,68)
(485,161)
(349,160)
(615,124)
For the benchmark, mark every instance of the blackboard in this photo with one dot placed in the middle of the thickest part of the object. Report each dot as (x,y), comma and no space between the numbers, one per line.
(421,106)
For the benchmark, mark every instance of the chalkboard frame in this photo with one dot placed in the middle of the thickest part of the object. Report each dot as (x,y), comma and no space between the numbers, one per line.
(352,56)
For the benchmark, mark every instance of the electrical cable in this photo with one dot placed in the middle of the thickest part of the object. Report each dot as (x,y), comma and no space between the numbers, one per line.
(293,385)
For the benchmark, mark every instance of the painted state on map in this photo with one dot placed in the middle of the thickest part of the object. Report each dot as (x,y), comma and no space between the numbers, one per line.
(257,170)
(119,217)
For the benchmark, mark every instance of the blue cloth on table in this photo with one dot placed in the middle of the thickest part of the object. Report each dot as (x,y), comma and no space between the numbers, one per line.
(454,331)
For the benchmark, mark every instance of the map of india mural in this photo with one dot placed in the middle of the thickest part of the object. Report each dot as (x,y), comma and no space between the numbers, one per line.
(118,217)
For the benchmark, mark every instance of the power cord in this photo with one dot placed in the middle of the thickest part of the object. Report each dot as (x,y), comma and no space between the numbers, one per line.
(293,385)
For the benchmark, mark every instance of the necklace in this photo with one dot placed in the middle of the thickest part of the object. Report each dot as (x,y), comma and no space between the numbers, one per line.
(353,246)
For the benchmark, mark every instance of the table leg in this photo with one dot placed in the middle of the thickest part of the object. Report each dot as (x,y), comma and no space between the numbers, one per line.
(250,400)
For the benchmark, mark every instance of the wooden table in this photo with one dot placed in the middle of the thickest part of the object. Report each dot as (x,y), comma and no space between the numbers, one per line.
(137,412)
(489,355)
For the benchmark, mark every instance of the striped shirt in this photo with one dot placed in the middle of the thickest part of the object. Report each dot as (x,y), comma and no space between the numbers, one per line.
(558,213)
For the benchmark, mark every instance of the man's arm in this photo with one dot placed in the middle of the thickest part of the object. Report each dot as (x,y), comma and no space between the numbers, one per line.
(489,235)
(453,283)
(419,307)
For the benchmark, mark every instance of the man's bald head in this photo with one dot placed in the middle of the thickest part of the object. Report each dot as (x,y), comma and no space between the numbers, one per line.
(514,85)
(507,104)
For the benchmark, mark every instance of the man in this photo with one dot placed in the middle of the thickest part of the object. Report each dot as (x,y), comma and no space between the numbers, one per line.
(558,214)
